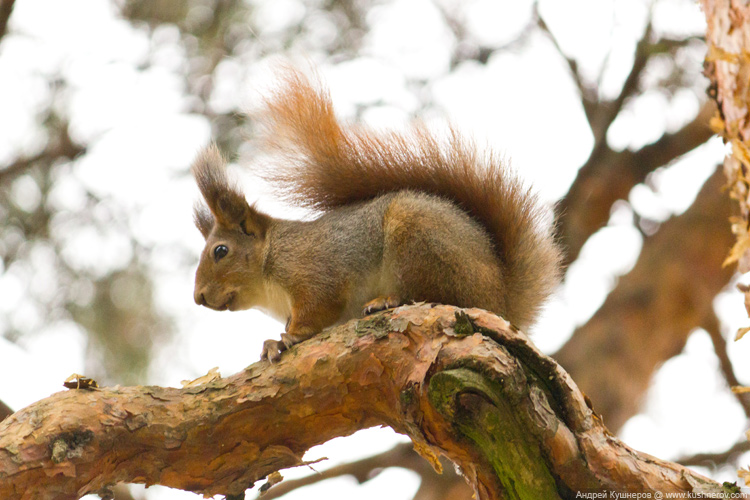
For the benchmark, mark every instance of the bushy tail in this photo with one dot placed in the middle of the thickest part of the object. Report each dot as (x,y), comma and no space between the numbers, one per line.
(325,164)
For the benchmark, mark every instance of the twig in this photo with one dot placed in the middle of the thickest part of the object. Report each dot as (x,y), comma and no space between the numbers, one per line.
(482,53)
(720,347)
(629,87)
(588,95)
(714,460)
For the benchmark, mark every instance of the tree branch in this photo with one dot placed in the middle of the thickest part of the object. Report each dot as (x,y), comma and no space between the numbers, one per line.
(714,459)
(469,49)
(711,324)
(588,93)
(727,67)
(507,415)
(648,317)
(608,175)
(601,114)
(607,111)
(62,146)
(611,175)
(6,8)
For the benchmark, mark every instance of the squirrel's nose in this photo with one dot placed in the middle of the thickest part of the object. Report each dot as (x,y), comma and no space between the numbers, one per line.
(199,298)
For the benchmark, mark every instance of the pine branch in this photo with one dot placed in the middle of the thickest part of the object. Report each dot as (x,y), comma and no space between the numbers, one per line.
(508,416)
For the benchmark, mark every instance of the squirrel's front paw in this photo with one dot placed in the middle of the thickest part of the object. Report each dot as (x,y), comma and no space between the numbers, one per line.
(381,304)
(272,350)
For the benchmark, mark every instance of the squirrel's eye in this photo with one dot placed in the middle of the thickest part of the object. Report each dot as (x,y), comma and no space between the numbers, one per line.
(220,252)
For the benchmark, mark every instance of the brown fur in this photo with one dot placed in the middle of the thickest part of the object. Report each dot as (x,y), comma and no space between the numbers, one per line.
(328,165)
(405,215)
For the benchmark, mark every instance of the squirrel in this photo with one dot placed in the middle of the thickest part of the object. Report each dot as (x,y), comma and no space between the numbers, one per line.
(405,216)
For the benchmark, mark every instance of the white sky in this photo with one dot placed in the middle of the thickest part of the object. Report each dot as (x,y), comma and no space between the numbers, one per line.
(522,103)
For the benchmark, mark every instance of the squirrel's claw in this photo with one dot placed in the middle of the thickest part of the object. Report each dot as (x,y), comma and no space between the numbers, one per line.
(380,304)
(272,350)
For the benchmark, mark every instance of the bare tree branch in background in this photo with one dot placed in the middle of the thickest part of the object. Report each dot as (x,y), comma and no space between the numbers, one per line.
(60,147)
(6,7)
(715,460)
(647,318)
(611,176)
(433,486)
(469,49)
(608,176)
(713,328)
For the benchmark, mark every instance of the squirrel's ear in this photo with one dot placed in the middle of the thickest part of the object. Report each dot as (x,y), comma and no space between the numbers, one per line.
(255,222)
(203,219)
(224,199)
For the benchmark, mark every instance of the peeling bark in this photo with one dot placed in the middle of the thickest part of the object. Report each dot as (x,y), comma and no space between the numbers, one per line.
(728,68)
(468,386)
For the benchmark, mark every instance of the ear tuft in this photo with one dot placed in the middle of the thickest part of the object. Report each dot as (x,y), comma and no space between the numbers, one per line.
(203,219)
(225,200)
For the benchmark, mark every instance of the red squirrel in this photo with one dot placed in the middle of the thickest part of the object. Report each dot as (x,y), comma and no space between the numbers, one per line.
(405,216)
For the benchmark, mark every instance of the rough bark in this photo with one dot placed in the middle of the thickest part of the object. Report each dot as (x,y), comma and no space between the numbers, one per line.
(728,68)
(464,384)
(649,316)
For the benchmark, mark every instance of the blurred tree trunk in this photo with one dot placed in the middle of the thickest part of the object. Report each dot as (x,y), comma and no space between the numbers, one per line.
(649,315)
(460,383)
